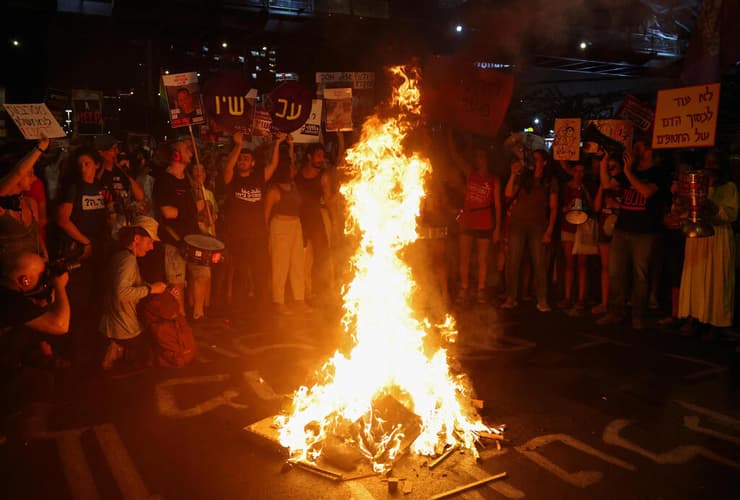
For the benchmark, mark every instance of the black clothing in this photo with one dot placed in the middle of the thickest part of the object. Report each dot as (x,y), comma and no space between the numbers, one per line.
(89,212)
(245,204)
(174,192)
(638,214)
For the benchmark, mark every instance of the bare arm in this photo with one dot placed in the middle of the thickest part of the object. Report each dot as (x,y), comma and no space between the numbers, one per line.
(340,148)
(233,157)
(599,200)
(9,182)
(64,214)
(270,169)
(136,190)
(509,190)
(55,321)
(553,217)
(169,212)
(607,182)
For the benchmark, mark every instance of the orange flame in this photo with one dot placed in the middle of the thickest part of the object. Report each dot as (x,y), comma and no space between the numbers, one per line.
(383,201)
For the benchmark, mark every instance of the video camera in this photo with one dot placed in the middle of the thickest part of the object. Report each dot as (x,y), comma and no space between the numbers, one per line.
(53,269)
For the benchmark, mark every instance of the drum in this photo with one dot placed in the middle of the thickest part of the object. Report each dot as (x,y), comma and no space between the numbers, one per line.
(202,250)
(693,187)
(577,213)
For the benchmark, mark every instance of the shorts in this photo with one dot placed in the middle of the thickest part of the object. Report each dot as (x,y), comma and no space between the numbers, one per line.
(568,237)
(196,271)
(479,234)
(174,265)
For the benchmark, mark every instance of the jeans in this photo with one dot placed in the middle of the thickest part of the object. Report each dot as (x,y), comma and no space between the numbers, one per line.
(628,249)
(521,235)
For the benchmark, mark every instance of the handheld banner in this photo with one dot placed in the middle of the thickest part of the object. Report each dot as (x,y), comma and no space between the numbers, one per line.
(338,109)
(567,144)
(33,120)
(87,112)
(686,117)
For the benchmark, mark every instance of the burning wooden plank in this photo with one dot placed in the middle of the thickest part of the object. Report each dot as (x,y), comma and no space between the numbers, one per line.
(469,486)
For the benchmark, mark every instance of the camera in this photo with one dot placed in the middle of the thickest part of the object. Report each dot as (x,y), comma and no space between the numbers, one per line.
(55,268)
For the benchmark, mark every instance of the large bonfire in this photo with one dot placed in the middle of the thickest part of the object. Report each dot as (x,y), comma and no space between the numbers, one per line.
(390,364)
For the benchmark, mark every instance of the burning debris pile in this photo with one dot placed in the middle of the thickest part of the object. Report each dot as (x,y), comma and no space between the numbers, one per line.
(392,392)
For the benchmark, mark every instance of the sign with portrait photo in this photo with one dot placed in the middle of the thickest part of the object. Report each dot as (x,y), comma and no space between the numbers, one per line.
(184,99)
(338,104)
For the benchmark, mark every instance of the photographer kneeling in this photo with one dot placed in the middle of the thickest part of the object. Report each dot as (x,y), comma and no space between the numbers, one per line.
(33,299)
(124,289)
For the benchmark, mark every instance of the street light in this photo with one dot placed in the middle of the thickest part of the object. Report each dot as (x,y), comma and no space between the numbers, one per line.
(459,28)
(16,43)
(583,45)
(224,44)
(536,121)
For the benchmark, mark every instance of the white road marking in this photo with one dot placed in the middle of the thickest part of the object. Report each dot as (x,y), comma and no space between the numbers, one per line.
(167,403)
(692,422)
(124,471)
(712,370)
(596,341)
(581,479)
(243,346)
(677,455)
(262,389)
(76,468)
(208,347)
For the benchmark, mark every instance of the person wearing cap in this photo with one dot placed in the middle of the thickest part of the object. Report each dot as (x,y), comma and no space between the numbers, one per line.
(124,289)
(116,178)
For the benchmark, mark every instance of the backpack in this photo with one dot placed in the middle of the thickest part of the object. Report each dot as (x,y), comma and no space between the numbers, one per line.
(174,344)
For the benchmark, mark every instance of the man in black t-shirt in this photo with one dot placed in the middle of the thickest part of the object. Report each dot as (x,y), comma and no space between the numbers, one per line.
(26,305)
(244,215)
(642,187)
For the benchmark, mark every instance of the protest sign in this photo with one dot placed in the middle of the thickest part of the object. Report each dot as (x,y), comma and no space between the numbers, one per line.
(87,112)
(641,115)
(183,99)
(567,143)
(686,117)
(291,106)
(465,96)
(311,130)
(338,104)
(621,133)
(262,126)
(229,105)
(362,85)
(34,120)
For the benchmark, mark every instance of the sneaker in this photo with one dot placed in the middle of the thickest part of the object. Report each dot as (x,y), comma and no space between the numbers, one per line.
(509,304)
(669,322)
(543,307)
(112,354)
(599,309)
(480,296)
(282,309)
(609,319)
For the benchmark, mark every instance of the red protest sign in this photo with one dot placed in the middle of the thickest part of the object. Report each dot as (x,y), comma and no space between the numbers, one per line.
(465,96)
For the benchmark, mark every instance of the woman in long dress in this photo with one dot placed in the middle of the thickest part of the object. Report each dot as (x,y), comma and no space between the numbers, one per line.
(708,281)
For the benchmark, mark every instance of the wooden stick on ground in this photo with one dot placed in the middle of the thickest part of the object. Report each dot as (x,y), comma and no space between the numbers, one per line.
(452,449)
(469,486)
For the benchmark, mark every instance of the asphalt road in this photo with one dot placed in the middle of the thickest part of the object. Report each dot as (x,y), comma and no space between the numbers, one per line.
(590,413)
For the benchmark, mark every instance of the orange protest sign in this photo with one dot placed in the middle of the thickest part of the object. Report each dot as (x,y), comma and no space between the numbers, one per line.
(686,117)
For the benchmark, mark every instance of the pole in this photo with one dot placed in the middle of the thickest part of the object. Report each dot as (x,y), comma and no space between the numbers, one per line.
(202,186)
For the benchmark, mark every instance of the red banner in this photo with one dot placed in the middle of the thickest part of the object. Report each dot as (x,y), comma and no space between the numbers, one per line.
(465,96)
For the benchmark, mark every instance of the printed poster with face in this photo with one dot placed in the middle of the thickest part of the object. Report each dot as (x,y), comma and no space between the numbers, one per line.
(567,143)
(338,104)
(34,120)
(184,99)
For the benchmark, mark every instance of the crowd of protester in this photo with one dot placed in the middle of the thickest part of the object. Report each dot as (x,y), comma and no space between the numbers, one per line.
(90,233)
